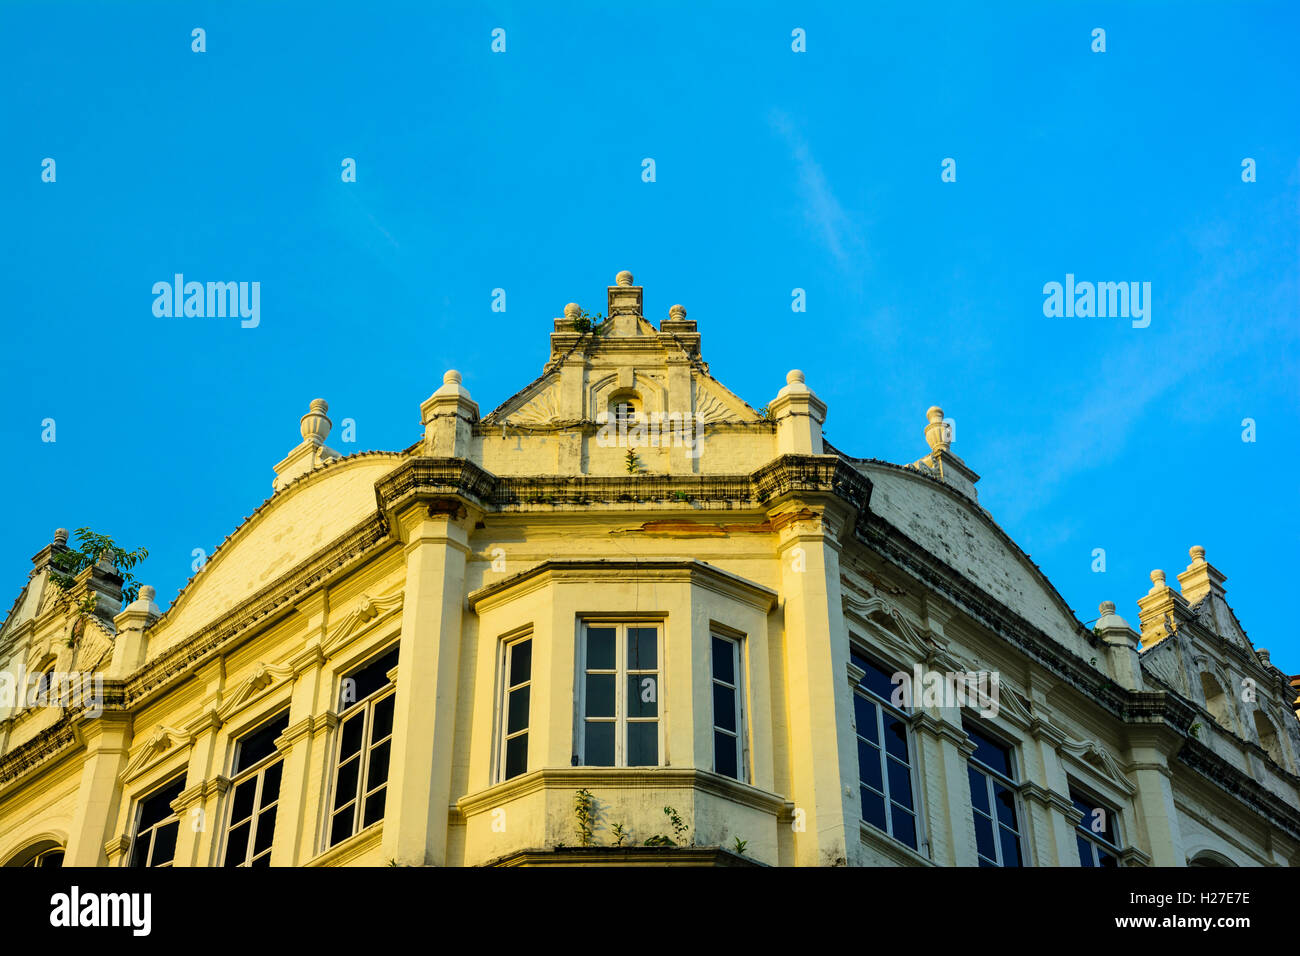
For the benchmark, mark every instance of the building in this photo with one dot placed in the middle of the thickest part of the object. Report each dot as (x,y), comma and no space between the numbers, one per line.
(625,590)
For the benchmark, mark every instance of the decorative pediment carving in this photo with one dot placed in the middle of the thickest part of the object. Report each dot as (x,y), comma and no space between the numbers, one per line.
(1089,752)
(366,613)
(878,611)
(251,688)
(161,742)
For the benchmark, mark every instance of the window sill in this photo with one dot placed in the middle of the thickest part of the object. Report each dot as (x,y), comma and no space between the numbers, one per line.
(886,845)
(354,846)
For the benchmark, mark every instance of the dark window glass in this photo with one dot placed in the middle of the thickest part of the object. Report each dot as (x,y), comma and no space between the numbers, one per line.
(723,662)
(600,744)
(521,662)
(642,648)
(643,744)
(724,749)
(368,679)
(600,648)
(600,695)
(260,744)
(878,680)
(642,695)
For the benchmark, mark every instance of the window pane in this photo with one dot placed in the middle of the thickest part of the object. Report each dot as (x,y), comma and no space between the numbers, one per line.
(374,808)
(724,668)
(984,837)
(341,826)
(521,662)
(643,744)
(383,722)
(1107,859)
(900,784)
(377,774)
(600,695)
(599,751)
(360,684)
(869,765)
(265,830)
(1085,851)
(873,808)
(242,805)
(516,756)
(724,707)
(260,744)
(1006,804)
(1010,848)
(346,788)
(600,648)
(350,739)
(643,695)
(904,826)
(642,648)
(864,715)
(271,782)
(877,679)
(896,738)
(237,845)
(724,754)
(517,718)
(164,843)
(979,791)
(989,752)
(158,806)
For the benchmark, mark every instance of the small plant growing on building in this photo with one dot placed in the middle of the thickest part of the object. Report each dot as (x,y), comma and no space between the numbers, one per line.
(620,834)
(632,462)
(739,846)
(766,414)
(91,548)
(1196,730)
(584,812)
(585,323)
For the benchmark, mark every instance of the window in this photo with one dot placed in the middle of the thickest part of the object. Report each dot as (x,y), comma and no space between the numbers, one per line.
(256,795)
(43,854)
(728,709)
(1096,833)
(884,756)
(619,696)
(993,798)
(367,698)
(156,826)
(515,703)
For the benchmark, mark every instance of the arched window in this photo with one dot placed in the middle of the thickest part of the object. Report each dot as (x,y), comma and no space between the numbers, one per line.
(624,407)
(1216,701)
(44,853)
(1268,738)
(1210,858)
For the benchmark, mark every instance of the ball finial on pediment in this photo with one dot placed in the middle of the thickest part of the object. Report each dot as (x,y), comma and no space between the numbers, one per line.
(451,377)
(572,311)
(60,535)
(794,377)
(677,312)
(623,278)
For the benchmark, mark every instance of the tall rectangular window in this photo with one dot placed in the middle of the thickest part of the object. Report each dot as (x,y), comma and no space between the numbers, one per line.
(884,755)
(156,826)
(515,708)
(993,798)
(256,797)
(619,696)
(728,709)
(367,699)
(1097,833)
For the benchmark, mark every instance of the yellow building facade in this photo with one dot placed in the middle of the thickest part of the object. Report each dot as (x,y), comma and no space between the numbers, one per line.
(627,618)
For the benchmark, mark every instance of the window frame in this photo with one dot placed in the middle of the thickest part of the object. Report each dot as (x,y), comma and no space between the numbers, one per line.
(1096,842)
(504,735)
(172,817)
(621,674)
(258,771)
(993,776)
(738,689)
(913,770)
(366,707)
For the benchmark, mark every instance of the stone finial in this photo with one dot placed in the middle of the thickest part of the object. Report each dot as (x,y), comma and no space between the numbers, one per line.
(147,592)
(1197,554)
(1157,580)
(1264,656)
(1106,608)
(315,426)
(794,377)
(60,535)
(623,278)
(573,311)
(936,432)
(451,377)
(677,312)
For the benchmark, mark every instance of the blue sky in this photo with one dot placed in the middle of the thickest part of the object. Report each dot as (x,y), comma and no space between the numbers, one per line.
(774,170)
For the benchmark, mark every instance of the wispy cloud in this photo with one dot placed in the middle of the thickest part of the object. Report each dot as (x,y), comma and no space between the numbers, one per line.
(822,210)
